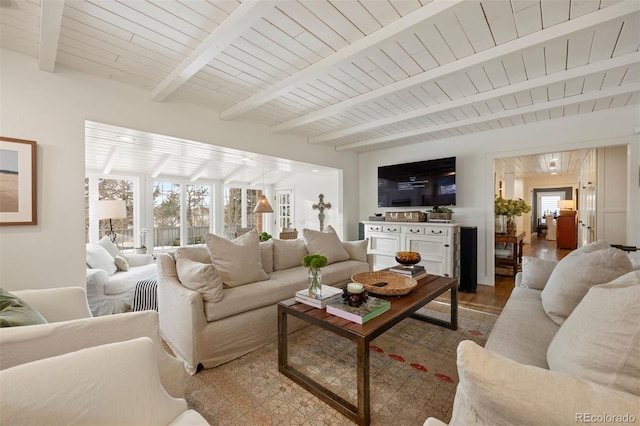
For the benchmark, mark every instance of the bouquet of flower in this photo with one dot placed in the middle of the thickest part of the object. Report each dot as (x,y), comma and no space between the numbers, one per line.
(510,207)
(314,261)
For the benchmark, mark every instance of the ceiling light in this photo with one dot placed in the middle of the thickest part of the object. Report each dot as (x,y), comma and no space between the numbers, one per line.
(554,173)
(552,164)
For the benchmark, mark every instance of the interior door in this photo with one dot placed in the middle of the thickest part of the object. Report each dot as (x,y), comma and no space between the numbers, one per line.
(285,209)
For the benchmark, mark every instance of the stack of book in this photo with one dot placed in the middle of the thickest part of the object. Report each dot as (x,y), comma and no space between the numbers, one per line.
(329,294)
(416,272)
(360,314)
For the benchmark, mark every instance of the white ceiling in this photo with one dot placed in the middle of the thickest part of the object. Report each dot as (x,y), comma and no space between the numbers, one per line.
(359,75)
(560,164)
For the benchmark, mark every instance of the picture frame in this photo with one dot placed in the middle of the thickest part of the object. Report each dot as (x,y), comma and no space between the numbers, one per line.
(18,182)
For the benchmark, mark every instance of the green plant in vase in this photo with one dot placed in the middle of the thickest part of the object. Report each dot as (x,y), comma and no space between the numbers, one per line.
(509,209)
(315,263)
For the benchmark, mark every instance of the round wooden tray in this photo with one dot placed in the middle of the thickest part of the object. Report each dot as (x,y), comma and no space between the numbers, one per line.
(397,284)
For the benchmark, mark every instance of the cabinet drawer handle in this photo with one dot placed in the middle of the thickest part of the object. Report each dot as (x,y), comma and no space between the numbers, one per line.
(414,231)
(392,230)
(434,232)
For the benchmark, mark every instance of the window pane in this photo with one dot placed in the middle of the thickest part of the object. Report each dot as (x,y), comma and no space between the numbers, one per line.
(548,204)
(254,220)
(166,215)
(115,189)
(232,211)
(198,213)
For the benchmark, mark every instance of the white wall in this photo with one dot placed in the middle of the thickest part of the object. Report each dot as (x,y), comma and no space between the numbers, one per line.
(51,108)
(475,172)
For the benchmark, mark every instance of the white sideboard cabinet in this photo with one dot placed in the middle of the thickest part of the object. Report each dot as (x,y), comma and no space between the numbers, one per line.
(437,243)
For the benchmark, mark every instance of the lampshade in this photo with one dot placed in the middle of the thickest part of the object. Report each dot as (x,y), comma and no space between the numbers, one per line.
(111,209)
(566,204)
(263,206)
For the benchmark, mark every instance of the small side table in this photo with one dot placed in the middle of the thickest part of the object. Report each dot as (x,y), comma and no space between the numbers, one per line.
(516,258)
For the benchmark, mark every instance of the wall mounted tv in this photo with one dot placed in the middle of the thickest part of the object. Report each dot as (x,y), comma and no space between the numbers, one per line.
(423,183)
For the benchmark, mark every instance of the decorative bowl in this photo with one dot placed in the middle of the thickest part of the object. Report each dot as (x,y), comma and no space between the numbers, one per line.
(408,258)
(392,284)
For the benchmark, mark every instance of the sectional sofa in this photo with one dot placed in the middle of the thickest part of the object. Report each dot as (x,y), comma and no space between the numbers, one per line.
(219,302)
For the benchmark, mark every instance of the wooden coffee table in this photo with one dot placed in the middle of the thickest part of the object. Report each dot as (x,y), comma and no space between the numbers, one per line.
(402,307)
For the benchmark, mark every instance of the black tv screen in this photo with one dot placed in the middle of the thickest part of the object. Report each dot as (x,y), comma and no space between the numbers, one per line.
(423,183)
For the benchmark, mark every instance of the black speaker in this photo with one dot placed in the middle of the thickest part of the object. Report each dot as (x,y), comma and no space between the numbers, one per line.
(468,259)
(361,231)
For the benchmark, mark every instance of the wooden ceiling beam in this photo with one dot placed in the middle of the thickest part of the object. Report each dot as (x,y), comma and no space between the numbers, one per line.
(582,71)
(607,14)
(50,25)
(619,90)
(229,30)
(347,54)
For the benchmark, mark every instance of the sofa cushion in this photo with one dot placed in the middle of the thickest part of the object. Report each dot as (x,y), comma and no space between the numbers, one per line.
(266,255)
(536,272)
(326,244)
(237,260)
(357,249)
(201,277)
(106,243)
(523,330)
(122,282)
(600,341)
(575,274)
(121,263)
(195,253)
(99,258)
(288,254)
(16,312)
(494,390)
(590,248)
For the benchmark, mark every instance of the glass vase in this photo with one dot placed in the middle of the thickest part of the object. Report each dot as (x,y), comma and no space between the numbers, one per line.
(501,224)
(315,283)
(511,225)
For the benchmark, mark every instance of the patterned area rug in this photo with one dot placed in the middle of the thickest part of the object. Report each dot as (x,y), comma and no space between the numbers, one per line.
(413,376)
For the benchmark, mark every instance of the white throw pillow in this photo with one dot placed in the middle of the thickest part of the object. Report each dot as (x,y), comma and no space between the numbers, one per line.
(591,247)
(326,244)
(494,390)
(266,255)
(575,274)
(357,249)
(106,243)
(600,341)
(288,254)
(99,258)
(121,263)
(536,272)
(239,260)
(201,277)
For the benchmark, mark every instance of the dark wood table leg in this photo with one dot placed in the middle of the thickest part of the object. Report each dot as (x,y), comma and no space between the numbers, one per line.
(454,307)
(364,389)
(283,349)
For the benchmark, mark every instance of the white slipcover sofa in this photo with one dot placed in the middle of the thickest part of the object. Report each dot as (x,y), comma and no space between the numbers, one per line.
(565,349)
(213,313)
(112,277)
(71,327)
(113,384)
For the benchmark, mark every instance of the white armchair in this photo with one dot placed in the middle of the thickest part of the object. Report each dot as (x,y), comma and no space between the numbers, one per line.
(551,227)
(113,384)
(72,328)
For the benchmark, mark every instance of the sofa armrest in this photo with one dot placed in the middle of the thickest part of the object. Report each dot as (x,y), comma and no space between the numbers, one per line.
(19,345)
(97,279)
(182,316)
(58,304)
(137,259)
(496,390)
(129,391)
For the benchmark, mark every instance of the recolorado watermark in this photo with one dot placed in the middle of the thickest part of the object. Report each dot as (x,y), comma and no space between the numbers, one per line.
(605,418)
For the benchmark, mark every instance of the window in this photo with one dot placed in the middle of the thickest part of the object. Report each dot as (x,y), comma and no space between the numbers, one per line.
(254,220)
(548,204)
(166,215)
(198,213)
(232,211)
(284,205)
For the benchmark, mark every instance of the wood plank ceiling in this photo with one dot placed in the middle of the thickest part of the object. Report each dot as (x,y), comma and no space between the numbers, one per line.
(359,75)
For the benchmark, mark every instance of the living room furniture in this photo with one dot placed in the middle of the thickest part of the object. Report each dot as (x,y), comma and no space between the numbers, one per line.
(71,327)
(550,220)
(566,231)
(288,234)
(428,289)
(209,333)
(145,295)
(510,257)
(110,287)
(115,384)
(544,366)
(437,243)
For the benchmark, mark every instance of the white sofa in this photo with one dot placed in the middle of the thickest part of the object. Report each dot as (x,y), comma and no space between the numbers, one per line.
(113,384)
(112,277)
(70,328)
(534,371)
(238,319)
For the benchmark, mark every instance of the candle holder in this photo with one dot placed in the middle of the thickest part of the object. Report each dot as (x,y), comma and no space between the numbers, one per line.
(354,299)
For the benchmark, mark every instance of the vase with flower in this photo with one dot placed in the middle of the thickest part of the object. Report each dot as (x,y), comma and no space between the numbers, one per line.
(315,263)
(143,248)
(505,211)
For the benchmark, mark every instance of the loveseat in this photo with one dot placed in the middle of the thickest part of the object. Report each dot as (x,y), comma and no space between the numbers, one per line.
(219,302)
(112,277)
(565,349)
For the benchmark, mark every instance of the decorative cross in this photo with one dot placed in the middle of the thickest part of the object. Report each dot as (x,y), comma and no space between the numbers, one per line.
(321,205)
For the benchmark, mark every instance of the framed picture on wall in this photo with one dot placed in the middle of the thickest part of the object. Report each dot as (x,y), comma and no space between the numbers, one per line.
(17,182)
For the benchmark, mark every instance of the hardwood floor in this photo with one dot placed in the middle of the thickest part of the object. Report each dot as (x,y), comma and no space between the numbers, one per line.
(492,299)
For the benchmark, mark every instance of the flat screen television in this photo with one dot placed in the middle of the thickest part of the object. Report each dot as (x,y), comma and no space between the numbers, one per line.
(423,183)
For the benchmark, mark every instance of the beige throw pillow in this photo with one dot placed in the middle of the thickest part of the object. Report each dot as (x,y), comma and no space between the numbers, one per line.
(201,277)
(600,341)
(266,255)
(237,260)
(326,244)
(536,272)
(195,253)
(288,254)
(357,249)
(575,275)
(121,263)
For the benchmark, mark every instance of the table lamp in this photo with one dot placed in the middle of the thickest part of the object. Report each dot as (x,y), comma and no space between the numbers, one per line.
(111,209)
(567,207)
